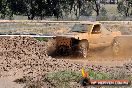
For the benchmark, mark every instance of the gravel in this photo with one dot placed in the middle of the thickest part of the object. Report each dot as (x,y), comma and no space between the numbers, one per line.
(26,56)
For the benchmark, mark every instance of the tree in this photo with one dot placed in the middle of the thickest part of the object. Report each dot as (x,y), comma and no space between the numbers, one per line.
(10,7)
(96,6)
(46,8)
(124,7)
(75,6)
(103,14)
(86,9)
(42,8)
(5,9)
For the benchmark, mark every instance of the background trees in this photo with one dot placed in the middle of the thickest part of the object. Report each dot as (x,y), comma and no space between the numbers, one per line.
(125,7)
(57,8)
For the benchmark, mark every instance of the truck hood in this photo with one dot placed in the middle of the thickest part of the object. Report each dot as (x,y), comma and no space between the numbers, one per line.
(75,35)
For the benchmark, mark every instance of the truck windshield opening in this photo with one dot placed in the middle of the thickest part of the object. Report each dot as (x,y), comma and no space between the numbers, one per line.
(80,28)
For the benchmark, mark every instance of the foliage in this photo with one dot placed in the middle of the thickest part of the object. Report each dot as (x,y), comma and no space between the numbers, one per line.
(96,6)
(86,9)
(97,75)
(125,7)
(42,39)
(63,78)
(42,8)
(103,14)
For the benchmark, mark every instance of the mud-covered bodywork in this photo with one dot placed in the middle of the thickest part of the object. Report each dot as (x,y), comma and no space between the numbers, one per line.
(66,45)
(88,34)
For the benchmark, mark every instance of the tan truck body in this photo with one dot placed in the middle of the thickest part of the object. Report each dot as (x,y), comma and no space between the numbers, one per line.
(94,34)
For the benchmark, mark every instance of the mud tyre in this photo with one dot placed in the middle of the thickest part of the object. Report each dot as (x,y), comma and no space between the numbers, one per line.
(83,48)
(63,51)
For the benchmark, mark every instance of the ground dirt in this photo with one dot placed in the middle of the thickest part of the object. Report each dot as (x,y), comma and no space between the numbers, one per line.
(28,57)
(25,56)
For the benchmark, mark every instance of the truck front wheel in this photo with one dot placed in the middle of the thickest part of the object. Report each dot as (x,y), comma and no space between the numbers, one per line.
(83,48)
(63,50)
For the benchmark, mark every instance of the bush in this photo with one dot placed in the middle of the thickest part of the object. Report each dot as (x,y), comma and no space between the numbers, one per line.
(103,15)
(42,39)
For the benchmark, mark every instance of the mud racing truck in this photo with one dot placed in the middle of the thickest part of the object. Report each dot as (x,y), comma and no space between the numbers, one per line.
(84,36)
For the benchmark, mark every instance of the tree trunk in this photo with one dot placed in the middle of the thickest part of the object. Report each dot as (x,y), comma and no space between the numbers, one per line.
(127,12)
(131,12)
(117,1)
(97,8)
(41,17)
(97,12)
(110,1)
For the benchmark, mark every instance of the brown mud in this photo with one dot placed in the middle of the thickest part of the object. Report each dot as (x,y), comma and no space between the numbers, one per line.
(24,56)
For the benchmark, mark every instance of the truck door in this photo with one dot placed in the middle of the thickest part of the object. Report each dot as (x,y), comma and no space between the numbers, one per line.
(106,36)
(99,37)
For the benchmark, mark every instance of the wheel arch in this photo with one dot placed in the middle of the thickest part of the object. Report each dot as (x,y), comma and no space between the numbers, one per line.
(86,41)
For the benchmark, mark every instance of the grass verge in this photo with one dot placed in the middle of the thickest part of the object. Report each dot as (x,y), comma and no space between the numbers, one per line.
(66,79)
(42,39)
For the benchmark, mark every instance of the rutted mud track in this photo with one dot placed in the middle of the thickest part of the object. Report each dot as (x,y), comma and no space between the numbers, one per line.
(103,57)
(105,53)
(25,56)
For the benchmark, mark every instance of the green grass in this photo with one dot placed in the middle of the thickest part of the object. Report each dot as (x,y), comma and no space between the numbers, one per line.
(97,75)
(63,79)
(42,39)
(111,9)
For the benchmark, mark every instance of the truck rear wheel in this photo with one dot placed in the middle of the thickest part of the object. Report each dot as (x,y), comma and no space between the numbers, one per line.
(116,47)
(83,48)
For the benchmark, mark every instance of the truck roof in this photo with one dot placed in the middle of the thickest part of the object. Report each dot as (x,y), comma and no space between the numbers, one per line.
(89,22)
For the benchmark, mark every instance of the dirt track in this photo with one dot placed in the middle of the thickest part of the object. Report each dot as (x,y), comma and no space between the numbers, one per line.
(25,56)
